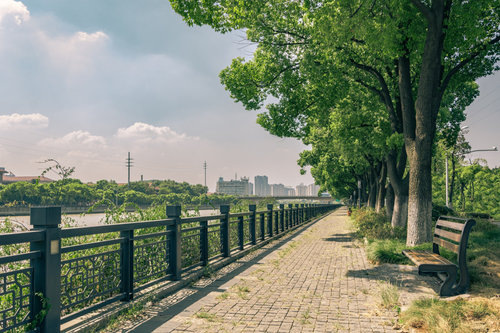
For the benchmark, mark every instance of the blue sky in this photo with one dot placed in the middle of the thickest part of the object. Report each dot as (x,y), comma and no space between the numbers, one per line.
(85,82)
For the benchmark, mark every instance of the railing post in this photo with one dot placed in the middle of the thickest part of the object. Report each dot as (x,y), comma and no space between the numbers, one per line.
(225,229)
(174,212)
(270,219)
(262,226)
(204,242)
(282,217)
(276,222)
(253,236)
(297,215)
(290,216)
(47,268)
(127,264)
(241,234)
(302,216)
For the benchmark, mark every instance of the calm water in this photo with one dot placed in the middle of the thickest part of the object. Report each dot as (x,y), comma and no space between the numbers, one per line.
(89,219)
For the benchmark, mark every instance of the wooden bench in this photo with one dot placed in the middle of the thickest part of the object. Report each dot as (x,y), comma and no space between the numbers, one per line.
(452,236)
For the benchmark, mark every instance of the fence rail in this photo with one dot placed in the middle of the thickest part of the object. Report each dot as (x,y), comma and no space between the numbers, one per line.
(83,269)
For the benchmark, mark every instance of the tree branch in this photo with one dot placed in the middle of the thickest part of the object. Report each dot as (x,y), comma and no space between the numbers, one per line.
(384,93)
(423,8)
(371,88)
(262,85)
(463,63)
(357,10)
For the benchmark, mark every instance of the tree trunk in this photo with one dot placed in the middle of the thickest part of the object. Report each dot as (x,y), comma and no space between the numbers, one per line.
(452,183)
(399,185)
(364,190)
(400,214)
(420,196)
(372,198)
(381,188)
(390,202)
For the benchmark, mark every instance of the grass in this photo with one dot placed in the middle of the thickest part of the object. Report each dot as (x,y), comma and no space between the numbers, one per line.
(207,316)
(224,295)
(388,295)
(305,316)
(242,291)
(290,247)
(459,316)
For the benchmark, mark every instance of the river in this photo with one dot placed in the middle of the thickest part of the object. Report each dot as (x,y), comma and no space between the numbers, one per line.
(88,220)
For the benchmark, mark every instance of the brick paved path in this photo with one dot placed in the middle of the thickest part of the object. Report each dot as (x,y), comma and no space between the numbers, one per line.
(316,280)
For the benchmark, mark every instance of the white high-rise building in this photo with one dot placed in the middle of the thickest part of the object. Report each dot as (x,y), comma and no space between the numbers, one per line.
(262,188)
(278,190)
(301,190)
(234,187)
(312,190)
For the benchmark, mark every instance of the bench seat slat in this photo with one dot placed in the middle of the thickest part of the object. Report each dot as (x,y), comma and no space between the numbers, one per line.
(451,225)
(448,245)
(448,234)
(420,257)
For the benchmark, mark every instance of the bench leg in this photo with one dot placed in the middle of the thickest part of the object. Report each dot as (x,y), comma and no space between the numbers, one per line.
(446,287)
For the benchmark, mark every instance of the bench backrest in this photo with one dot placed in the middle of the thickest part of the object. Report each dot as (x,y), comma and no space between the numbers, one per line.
(453,236)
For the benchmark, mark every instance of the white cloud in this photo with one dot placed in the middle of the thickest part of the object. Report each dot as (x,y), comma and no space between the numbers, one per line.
(149,133)
(16,120)
(15,9)
(85,37)
(77,138)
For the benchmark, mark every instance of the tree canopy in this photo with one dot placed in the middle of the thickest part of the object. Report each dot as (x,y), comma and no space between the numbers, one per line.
(418,59)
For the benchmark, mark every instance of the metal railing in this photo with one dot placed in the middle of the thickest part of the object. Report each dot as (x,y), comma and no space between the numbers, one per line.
(79,270)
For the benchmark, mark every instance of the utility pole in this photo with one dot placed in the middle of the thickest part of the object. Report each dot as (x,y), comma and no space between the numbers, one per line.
(205,167)
(128,164)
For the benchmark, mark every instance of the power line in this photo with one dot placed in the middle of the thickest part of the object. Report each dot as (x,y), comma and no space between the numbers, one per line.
(484,107)
(484,117)
(483,97)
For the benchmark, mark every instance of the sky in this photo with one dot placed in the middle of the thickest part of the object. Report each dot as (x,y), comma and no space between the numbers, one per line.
(86,82)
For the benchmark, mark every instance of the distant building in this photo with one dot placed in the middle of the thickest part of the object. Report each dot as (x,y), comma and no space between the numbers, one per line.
(234,187)
(278,190)
(301,190)
(312,190)
(9,178)
(289,191)
(262,188)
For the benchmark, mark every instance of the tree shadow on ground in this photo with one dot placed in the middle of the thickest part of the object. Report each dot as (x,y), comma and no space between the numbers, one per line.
(341,238)
(404,277)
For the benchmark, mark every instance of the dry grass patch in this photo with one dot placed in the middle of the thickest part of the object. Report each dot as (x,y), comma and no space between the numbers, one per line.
(388,295)
(459,316)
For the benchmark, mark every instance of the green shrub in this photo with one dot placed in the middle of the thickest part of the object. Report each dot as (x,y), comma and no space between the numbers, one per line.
(373,225)
(438,210)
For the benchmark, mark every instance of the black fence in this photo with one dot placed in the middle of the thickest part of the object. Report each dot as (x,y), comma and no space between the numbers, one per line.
(79,270)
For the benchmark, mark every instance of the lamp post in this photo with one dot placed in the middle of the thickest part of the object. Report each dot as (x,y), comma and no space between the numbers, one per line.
(359,191)
(447,202)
